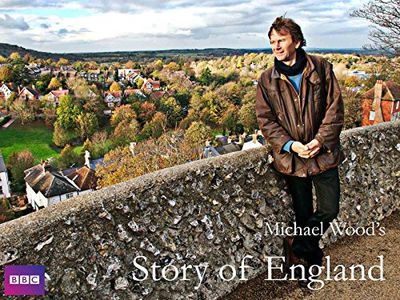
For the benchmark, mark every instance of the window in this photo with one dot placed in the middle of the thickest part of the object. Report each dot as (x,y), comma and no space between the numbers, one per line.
(372,115)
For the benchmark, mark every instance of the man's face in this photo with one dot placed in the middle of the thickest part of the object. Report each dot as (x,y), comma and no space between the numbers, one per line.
(283,46)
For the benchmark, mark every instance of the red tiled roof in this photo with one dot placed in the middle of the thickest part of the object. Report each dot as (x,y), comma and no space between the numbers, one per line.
(84,178)
(393,87)
(59,93)
(116,94)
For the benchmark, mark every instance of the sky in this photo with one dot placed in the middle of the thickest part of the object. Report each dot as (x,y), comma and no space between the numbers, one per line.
(123,25)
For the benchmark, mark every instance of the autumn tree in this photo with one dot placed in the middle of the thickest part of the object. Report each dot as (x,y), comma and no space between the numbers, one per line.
(172,110)
(122,113)
(22,110)
(121,164)
(62,136)
(197,134)
(385,17)
(5,73)
(67,157)
(15,56)
(126,132)
(62,62)
(115,87)
(247,117)
(54,84)
(230,119)
(87,124)
(68,112)
(18,162)
(206,77)
(146,111)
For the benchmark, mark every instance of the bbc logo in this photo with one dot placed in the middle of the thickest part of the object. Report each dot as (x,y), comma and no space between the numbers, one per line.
(24,279)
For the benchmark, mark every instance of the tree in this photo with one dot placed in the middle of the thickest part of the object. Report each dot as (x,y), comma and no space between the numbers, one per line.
(126,132)
(172,109)
(54,84)
(87,124)
(62,62)
(115,87)
(197,134)
(23,112)
(18,162)
(5,73)
(385,15)
(87,146)
(247,116)
(147,111)
(15,56)
(67,112)
(230,119)
(50,115)
(139,83)
(122,113)
(62,136)
(67,157)
(206,77)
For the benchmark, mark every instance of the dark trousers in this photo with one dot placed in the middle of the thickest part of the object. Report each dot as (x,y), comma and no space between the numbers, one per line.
(327,188)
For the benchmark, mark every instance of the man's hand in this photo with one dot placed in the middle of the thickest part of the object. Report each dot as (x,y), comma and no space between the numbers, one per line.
(300,149)
(314,146)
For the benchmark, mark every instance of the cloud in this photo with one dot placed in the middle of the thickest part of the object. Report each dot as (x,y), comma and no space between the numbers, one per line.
(130,25)
(18,4)
(13,23)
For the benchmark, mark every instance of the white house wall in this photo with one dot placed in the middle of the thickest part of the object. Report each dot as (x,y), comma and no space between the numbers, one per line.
(4,183)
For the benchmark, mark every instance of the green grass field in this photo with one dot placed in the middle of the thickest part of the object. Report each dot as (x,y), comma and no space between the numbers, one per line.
(35,137)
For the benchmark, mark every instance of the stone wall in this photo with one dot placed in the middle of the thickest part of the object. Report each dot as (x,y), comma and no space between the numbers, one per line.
(207,213)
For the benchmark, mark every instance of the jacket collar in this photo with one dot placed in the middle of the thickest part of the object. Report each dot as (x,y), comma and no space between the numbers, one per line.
(309,72)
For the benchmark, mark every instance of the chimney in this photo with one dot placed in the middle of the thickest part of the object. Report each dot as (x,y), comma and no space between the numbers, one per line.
(241,139)
(254,135)
(376,105)
(87,159)
(132,146)
(45,166)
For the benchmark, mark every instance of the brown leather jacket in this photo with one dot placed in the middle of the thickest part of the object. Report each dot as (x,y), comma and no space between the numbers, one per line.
(316,112)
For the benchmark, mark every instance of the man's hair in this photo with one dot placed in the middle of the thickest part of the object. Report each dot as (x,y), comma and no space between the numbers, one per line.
(282,24)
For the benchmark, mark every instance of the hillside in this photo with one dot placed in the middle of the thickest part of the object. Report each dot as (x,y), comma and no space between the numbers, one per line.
(147,55)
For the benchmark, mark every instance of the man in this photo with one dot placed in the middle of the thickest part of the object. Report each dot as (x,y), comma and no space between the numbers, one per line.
(300,113)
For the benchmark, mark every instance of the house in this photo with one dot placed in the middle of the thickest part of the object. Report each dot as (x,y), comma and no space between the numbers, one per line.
(4,182)
(91,75)
(125,73)
(129,92)
(381,103)
(134,78)
(150,85)
(6,90)
(112,99)
(357,74)
(54,96)
(28,93)
(229,147)
(46,186)
(256,141)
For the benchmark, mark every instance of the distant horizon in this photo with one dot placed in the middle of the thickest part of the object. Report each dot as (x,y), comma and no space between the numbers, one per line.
(195,49)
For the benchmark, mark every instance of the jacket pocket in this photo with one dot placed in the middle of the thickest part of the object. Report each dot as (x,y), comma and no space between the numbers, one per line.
(283,162)
(328,160)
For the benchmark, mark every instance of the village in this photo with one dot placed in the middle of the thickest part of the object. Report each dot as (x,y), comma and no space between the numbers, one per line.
(145,117)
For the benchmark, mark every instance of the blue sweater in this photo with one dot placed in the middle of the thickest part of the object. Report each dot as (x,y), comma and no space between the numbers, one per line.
(295,81)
